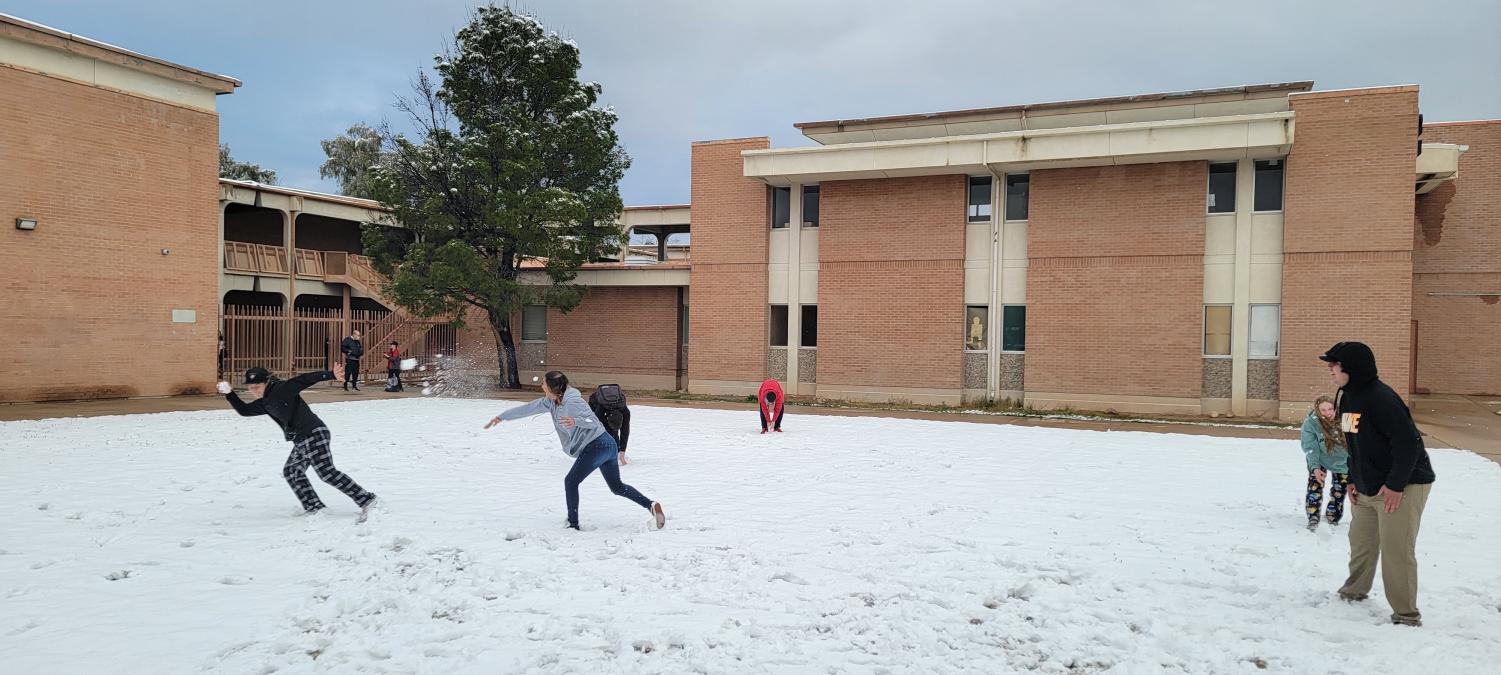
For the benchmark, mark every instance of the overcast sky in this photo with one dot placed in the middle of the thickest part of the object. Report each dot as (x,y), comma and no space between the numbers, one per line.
(685,70)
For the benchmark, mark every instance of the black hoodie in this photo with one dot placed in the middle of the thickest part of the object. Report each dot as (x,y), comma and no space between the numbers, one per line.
(283,402)
(1385,445)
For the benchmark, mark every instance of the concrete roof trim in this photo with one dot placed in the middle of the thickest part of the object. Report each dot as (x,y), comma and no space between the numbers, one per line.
(36,33)
(1291,87)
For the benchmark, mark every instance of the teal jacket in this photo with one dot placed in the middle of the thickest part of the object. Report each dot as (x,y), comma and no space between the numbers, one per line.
(1317,454)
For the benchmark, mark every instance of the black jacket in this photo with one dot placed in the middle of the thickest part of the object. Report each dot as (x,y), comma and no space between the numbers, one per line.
(283,402)
(617,422)
(1385,445)
(351,348)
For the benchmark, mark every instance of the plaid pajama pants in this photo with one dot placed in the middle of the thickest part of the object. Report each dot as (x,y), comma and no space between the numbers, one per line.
(313,451)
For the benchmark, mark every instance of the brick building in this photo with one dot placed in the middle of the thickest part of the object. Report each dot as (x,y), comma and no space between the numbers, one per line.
(1157,253)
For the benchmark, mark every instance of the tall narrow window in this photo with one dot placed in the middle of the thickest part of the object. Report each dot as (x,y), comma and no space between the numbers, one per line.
(1017,189)
(534,323)
(1014,328)
(979,199)
(976,328)
(778,325)
(1222,188)
(1266,331)
(683,324)
(1269,185)
(810,206)
(781,206)
(810,326)
(1216,330)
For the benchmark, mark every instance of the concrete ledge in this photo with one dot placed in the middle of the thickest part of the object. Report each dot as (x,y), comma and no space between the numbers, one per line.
(723,387)
(1158,405)
(851,392)
(585,379)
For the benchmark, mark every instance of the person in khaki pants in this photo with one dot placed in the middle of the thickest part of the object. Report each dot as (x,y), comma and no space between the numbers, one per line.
(1392,477)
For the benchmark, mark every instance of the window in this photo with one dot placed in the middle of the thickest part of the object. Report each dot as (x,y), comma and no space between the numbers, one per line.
(781,206)
(534,323)
(979,199)
(683,324)
(1269,185)
(1014,328)
(976,326)
(1216,330)
(810,206)
(1016,196)
(810,326)
(779,325)
(1222,188)
(1266,330)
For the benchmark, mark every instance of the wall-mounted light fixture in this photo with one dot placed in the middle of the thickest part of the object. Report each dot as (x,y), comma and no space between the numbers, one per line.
(166,251)
(26,223)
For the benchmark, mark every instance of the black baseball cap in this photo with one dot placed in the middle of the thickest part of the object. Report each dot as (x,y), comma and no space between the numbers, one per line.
(1334,354)
(257,376)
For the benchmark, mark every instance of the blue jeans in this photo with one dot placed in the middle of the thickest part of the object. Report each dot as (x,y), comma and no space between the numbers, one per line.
(602,454)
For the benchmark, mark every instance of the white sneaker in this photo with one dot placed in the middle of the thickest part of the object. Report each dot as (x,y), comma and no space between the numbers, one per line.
(656,512)
(371,505)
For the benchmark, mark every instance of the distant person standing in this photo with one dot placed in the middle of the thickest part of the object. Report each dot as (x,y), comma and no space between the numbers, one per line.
(222,352)
(608,404)
(352,349)
(1392,475)
(393,367)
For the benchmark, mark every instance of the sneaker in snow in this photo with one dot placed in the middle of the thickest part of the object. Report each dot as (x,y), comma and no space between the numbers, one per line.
(1352,597)
(1414,621)
(309,512)
(656,512)
(1313,525)
(571,526)
(365,510)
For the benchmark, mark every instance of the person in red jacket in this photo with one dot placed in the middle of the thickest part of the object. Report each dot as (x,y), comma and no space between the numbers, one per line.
(770,399)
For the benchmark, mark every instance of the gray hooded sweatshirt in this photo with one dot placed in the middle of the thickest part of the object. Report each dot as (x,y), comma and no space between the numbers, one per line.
(586,427)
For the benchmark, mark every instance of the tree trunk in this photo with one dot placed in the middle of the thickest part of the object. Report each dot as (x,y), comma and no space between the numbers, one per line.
(505,351)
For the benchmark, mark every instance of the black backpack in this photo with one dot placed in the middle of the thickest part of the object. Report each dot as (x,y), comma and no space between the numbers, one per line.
(610,397)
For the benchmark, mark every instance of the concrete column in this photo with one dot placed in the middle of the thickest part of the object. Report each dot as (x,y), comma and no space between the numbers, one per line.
(1240,314)
(291,242)
(997,279)
(794,287)
(661,246)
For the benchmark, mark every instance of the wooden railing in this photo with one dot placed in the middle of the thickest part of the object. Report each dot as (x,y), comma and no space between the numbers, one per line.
(256,336)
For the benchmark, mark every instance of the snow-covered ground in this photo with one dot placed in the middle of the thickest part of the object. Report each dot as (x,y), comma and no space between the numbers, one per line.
(167,543)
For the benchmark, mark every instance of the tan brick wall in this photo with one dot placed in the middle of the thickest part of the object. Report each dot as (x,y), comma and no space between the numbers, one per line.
(112,179)
(1347,234)
(727,323)
(1115,280)
(627,330)
(1457,249)
(891,282)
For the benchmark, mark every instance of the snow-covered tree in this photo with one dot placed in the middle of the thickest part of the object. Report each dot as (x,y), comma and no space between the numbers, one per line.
(511,161)
(351,157)
(231,168)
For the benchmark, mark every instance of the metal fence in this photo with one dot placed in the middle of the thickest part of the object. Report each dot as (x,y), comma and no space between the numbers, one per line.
(257,336)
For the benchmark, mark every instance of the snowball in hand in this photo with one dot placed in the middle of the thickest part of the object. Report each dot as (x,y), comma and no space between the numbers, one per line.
(534,378)
(224,388)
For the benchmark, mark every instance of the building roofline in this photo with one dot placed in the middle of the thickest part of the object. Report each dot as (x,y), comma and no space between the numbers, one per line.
(1461,123)
(1290,87)
(70,42)
(656,207)
(1357,91)
(307,194)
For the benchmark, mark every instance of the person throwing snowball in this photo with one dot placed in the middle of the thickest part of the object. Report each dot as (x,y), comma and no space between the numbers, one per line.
(584,439)
(282,401)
